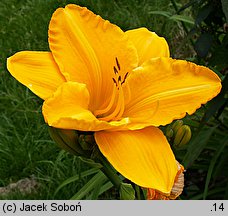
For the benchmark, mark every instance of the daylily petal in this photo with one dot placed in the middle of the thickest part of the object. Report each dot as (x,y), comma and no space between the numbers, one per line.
(68,109)
(143,156)
(86,49)
(165,89)
(148,44)
(176,191)
(37,71)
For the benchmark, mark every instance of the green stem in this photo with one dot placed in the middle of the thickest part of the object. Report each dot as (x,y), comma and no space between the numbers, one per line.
(108,170)
(137,190)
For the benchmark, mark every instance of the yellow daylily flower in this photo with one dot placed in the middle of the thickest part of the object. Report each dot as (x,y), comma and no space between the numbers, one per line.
(120,85)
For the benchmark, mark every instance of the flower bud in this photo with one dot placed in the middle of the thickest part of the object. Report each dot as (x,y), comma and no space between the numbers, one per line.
(182,136)
(66,139)
(169,132)
(176,125)
(127,192)
(86,141)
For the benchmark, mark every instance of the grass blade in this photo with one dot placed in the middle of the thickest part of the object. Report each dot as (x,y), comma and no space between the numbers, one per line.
(222,144)
(182,18)
(197,145)
(94,182)
(96,191)
(212,192)
(162,13)
(75,178)
(105,187)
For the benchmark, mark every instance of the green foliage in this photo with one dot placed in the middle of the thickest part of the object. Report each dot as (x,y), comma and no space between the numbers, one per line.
(197,145)
(225,8)
(94,184)
(211,32)
(127,192)
(222,144)
(76,178)
(174,17)
(205,157)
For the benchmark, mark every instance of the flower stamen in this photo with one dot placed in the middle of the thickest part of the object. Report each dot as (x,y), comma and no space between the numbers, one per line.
(121,111)
(117,63)
(125,76)
(115,113)
(115,70)
(115,108)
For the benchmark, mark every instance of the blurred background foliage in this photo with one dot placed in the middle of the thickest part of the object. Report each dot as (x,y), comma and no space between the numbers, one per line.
(196,30)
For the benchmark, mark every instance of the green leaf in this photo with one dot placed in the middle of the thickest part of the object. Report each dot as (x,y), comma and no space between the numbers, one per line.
(182,18)
(203,44)
(222,145)
(189,4)
(96,191)
(221,168)
(127,192)
(203,13)
(225,8)
(108,186)
(226,192)
(90,162)
(212,192)
(94,182)
(196,146)
(76,178)
(219,57)
(177,17)
(162,13)
(105,187)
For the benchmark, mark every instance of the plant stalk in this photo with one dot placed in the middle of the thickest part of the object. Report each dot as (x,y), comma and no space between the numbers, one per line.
(108,170)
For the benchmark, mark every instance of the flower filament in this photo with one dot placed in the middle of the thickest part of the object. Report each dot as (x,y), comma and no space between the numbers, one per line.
(115,108)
